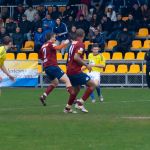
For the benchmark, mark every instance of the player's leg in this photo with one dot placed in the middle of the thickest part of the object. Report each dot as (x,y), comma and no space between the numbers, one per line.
(49,89)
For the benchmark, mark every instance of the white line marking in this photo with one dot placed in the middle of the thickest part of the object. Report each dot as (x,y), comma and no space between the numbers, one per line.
(137,118)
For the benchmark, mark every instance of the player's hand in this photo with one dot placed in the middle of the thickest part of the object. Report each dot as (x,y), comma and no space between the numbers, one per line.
(89,67)
(11,78)
(66,42)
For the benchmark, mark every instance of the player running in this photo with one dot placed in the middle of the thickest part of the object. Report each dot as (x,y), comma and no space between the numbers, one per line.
(48,55)
(97,62)
(76,76)
(7,44)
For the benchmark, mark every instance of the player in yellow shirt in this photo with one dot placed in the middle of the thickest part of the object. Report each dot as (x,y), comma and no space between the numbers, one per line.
(7,43)
(97,62)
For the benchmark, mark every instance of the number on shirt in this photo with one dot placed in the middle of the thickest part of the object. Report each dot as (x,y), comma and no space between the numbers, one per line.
(44,51)
(70,52)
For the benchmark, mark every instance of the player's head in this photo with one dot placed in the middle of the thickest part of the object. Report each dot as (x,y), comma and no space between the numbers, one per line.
(95,48)
(50,37)
(7,41)
(80,34)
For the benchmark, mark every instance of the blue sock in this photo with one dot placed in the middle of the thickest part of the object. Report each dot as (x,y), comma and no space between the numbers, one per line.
(98,91)
(92,96)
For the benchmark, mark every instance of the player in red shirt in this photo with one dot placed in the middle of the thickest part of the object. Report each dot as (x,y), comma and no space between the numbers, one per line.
(76,76)
(48,55)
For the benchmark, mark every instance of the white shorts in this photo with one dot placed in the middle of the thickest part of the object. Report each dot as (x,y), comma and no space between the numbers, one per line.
(94,75)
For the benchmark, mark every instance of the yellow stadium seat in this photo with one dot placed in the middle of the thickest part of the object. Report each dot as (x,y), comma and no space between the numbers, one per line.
(87,43)
(134,69)
(117,56)
(111,44)
(62,9)
(66,56)
(140,56)
(10,56)
(21,56)
(144,69)
(63,68)
(33,56)
(40,69)
(125,18)
(143,32)
(136,44)
(110,69)
(59,56)
(122,69)
(146,44)
(29,46)
(106,55)
(129,56)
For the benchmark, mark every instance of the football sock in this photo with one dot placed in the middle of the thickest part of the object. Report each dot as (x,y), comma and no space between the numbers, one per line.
(72,96)
(98,89)
(87,93)
(49,89)
(92,96)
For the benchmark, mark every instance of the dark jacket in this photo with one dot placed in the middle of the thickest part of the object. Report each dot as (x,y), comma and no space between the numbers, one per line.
(17,38)
(25,26)
(10,27)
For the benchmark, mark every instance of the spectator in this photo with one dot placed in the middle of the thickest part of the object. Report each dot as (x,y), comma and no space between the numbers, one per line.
(3,33)
(37,22)
(145,11)
(30,13)
(4,13)
(124,40)
(98,11)
(111,13)
(61,31)
(145,23)
(38,39)
(25,27)
(55,13)
(72,33)
(94,21)
(18,39)
(1,23)
(19,11)
(41,11)
(70,22)
(10,26)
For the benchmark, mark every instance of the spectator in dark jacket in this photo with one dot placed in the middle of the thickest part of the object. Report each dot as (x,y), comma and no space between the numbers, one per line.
(25,27)
(37,22)
(55,13)
(38,39)
(69,22)
(10,26)
(41,11)
(94,21)
(124,40)
(3,33)
(18,39)
(19,11)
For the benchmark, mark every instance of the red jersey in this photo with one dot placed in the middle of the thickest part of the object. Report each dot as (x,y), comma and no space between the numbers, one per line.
(73,67)
(48,55)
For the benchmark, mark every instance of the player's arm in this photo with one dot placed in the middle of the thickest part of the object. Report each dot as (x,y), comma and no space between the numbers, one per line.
(81,62)
(3,68)
(63,45)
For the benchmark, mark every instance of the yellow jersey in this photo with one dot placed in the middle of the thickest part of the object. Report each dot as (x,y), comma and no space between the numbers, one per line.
(2,55)
(96,60)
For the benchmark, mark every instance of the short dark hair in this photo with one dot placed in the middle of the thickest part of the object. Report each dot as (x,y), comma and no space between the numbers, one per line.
(49,36)
(95,45)
(80,32)
(6,40)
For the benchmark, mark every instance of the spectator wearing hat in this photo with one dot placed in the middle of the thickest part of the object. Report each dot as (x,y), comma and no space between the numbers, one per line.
(111,13)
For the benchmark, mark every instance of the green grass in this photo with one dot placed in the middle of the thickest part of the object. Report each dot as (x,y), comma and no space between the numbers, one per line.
(26,125)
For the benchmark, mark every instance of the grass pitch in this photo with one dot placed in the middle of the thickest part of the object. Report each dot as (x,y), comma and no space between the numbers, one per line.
(121,122)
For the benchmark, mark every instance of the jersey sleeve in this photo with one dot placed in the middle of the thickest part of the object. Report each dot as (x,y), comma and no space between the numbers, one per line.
(80,49)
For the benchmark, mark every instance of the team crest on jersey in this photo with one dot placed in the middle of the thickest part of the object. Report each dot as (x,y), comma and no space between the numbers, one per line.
(80,50)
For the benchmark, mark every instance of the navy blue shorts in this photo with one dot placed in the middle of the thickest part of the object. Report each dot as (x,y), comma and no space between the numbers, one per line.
(79,79)
(54,72)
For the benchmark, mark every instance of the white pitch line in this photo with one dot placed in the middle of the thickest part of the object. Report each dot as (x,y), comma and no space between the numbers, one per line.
(137,117)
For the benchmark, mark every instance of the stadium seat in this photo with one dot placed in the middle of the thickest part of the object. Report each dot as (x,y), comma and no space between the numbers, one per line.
(143,32)
(29,46)
(40,69)
(33,56)
(129,56)
(146,44)
(59,56)
(66,56)
(10,56)
(134,69)
(63,68)
(140,56)
(122,69)
(106,55)
(62,9)
(136,44)
(21,56)
(111,44)
(125,18)
(117,56)
(87,43)
(144,69)
(110,69)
